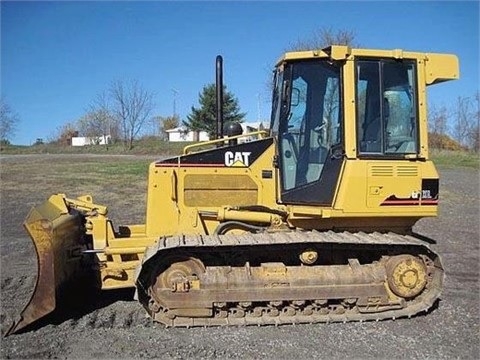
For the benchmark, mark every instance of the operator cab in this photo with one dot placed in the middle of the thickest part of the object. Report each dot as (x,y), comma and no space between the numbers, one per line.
(308,119)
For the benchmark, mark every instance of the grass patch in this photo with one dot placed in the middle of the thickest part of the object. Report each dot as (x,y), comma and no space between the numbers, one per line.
(53,171)
(152,146)
(126,167)
(451,159)
(147,146)
(119,182)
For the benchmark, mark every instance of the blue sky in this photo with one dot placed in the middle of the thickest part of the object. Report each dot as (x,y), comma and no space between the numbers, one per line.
(57,56)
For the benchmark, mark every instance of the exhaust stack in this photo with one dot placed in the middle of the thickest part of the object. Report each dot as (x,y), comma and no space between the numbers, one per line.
(219,93)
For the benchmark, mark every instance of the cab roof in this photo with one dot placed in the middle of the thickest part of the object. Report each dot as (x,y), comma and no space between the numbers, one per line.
(438,67)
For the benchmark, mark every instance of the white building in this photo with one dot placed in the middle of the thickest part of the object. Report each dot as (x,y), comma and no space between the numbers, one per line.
(181,133)
(249,127)
(83,140)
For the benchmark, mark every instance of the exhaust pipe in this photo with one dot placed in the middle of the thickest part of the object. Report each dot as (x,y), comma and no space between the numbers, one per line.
(219,93)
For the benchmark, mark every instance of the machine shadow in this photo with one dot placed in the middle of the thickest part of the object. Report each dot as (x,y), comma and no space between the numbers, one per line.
(424,238)
(79,303)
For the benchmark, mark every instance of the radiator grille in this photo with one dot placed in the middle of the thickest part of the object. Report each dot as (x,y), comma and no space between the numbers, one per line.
(407,170)
(381,170)
(393,170)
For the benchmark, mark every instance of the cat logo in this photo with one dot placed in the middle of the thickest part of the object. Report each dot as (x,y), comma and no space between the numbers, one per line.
(237,159)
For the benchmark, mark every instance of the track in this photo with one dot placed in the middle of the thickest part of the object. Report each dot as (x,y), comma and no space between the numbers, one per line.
(194,258)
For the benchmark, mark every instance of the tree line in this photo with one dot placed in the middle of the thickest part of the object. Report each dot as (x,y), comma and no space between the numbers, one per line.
(456,127)
(125,111)
(120,113)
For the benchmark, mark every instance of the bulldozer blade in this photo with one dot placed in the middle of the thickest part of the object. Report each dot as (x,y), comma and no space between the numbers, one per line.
(59,238)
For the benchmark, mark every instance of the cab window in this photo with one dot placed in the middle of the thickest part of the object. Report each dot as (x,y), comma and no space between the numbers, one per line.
(386,107)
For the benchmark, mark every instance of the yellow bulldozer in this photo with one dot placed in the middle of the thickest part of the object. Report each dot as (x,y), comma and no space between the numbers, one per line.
(310,221)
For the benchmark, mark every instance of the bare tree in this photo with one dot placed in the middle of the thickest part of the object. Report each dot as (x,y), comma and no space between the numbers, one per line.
(8,121)
(95,124)
(168,123)
(65,133)
(152,127)
(131,105)
(438,119)
(475,132)
(101,120)
(324,37)
(438,126)
(319,39)
(464,122)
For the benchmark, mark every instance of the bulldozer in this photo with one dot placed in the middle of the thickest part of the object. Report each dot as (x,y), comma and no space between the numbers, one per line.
(309,221)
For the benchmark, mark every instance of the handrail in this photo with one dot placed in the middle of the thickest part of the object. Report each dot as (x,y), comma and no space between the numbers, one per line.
(188,148)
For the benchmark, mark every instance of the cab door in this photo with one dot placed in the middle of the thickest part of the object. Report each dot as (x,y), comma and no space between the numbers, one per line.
(310,133)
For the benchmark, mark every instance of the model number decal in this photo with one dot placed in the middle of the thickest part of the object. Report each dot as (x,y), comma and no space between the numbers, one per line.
(425,194)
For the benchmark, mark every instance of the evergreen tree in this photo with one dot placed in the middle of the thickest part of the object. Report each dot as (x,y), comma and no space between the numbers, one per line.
(204,117)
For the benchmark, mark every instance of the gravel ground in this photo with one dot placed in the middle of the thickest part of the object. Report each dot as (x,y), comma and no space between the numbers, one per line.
(117,327)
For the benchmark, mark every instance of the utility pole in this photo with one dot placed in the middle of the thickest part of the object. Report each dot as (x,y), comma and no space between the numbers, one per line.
(259,109)
(175,93)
